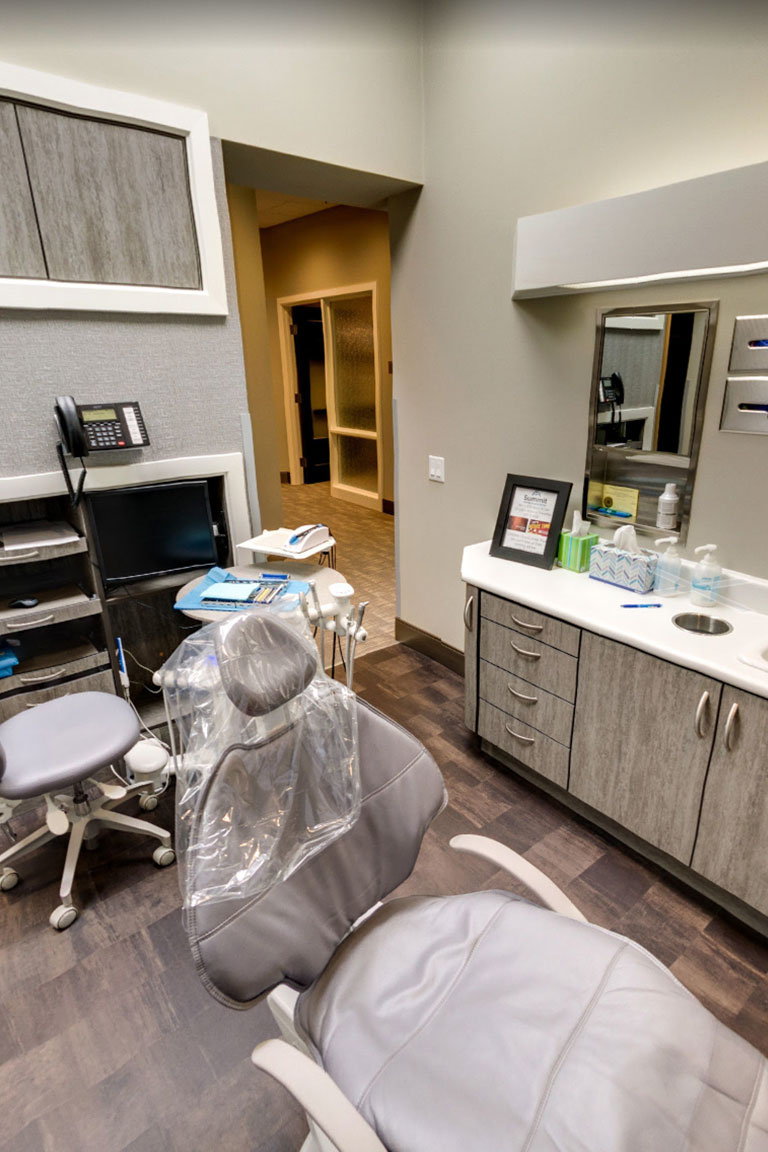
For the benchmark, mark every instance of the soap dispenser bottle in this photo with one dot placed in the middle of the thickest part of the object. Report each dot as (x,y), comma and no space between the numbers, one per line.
(706,577)
(667,580)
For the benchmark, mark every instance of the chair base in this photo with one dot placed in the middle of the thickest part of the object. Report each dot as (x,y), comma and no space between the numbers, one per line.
(84,819)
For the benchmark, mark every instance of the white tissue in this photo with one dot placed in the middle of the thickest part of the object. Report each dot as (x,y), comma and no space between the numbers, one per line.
(626,538)
(579,527)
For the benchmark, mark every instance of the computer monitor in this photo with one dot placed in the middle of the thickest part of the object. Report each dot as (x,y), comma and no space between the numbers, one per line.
(152,530)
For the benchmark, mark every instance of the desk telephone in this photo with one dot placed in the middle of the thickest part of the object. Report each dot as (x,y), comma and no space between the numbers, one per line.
(107,426)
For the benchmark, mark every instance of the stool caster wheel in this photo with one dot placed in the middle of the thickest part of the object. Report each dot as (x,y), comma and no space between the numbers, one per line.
(62,917)
(9,879)
(147,803)
(163,856)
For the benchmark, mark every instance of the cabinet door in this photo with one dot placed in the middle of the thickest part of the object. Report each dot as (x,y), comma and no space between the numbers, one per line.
(732,844)
(21,253)
(471,633)
(112,200)
(641,742)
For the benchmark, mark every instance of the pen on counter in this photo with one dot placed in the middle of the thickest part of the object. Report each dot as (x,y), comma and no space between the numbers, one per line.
(614,512)
(639,605)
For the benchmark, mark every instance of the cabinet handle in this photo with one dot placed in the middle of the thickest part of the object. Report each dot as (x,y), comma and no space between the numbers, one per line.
(533,627)
(523,652)
(28,679)
(522,696)
(468,613)
(730,725)
(16,626)
(17,557)
(517,736)
(700,714)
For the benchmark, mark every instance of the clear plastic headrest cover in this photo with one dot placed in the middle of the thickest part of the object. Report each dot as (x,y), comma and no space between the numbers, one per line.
(267,771)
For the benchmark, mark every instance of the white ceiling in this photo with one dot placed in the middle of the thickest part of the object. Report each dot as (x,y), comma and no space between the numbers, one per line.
(279,207)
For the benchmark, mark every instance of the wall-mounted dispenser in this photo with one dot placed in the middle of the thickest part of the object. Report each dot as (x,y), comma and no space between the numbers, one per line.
(745,405)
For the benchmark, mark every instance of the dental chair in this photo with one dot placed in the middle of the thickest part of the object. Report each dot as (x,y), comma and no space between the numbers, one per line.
(62,743)
(472,1023)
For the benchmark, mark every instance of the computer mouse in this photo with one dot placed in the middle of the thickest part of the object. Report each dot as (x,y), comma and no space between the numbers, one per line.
(24,602)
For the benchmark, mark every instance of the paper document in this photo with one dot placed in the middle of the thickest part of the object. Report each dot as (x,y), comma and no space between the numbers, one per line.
(36,534)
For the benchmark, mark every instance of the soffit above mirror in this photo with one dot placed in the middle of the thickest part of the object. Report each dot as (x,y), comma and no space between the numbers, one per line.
(707,227)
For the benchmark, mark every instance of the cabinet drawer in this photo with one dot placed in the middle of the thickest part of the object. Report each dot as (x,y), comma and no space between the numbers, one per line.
(533,661)
(524,620)
(97,682)
(543,711)
(53,666)
(526,744)
(53,607)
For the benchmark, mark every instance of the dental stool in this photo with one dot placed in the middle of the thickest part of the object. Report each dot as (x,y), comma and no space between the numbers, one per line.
(61,744)
(470,1023)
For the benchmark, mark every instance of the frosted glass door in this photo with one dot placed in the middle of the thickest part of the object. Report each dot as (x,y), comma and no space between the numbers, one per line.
(353,400)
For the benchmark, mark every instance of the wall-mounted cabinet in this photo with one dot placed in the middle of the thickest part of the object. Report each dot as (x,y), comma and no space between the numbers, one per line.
(107,201)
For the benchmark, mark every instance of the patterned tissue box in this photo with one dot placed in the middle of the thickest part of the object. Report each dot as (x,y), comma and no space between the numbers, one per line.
(573,551)
(633,570)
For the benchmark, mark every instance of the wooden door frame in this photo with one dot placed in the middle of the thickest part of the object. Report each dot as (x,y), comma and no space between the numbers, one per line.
(290,381)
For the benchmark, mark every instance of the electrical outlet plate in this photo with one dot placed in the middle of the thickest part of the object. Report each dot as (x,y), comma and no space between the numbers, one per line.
(437,469)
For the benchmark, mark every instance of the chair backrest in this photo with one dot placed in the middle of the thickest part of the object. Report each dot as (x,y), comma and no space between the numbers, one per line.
(244,947)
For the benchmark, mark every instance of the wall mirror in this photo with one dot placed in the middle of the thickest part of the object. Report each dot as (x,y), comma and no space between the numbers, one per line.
(649,385)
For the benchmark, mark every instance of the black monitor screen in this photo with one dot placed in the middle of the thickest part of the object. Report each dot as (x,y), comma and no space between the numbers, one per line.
(152,530)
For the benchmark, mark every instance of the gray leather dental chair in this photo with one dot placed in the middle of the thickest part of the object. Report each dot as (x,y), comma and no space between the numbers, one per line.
(59,744)
(461,1023)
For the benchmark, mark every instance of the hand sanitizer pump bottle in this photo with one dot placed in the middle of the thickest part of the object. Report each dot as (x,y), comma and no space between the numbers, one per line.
(706,577)
(667,579)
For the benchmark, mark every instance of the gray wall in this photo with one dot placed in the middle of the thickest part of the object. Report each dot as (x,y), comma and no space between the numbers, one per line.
(186,372)
(524,114)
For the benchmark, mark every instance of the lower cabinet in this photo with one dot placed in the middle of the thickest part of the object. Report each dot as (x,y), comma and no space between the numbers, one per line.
(732,845)
(641,742)
(677,758)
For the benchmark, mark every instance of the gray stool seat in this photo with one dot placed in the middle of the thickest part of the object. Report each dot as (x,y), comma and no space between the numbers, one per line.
(63,741)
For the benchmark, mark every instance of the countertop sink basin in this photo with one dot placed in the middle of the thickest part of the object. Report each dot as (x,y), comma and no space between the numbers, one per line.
(701,623)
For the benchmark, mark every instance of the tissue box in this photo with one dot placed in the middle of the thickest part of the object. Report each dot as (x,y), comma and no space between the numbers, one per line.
(573,551)
(633,570)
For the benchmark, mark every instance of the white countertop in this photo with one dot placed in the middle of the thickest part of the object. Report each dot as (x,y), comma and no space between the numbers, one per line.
(590,604)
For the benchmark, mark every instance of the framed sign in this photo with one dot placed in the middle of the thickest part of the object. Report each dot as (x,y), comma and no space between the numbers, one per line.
(530,520)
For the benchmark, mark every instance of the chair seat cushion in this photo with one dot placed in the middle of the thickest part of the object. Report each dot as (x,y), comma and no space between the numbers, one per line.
(482,1022)
(64,740)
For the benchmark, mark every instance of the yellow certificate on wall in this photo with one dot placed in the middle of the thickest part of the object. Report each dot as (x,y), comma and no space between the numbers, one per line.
(621,499)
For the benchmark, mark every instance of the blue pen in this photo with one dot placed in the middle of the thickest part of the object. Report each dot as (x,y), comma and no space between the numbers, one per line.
(273,576)
(640,605)
(613,512)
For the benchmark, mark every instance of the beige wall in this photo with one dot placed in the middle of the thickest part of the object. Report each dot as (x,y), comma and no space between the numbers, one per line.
(328,80)
(331,249)
(521,118)
(253,322)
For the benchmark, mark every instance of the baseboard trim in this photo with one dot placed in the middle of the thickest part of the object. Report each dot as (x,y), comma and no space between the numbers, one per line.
(388,506)
(429,645)
(285,477)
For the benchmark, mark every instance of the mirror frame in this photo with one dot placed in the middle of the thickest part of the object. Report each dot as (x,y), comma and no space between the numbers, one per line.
(665,464)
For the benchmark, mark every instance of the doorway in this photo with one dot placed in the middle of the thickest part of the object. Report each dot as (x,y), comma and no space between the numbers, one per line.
(311,399)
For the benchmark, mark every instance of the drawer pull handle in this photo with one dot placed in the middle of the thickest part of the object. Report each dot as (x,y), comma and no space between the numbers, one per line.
(517,736)
(468,613)
(730,726)
(17,625)
(523,652)
(701,715)
(522,696)
(41,679)
(532,627)
(17,557)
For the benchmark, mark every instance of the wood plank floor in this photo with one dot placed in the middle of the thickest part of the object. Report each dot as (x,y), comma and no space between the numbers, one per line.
(365,552)
(109,1043)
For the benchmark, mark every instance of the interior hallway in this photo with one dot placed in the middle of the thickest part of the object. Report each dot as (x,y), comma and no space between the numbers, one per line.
(365,552)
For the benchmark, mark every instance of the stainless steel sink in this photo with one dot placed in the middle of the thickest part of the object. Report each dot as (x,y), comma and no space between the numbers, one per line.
(701,623)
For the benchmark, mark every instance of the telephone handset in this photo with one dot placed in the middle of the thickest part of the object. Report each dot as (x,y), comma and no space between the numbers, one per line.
(611,389)
(106,426)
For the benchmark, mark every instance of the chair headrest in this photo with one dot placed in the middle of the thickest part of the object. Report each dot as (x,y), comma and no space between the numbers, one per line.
(263,662)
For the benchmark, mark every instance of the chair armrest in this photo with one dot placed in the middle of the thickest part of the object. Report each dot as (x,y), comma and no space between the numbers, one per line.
(514,864)
(322,1100)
